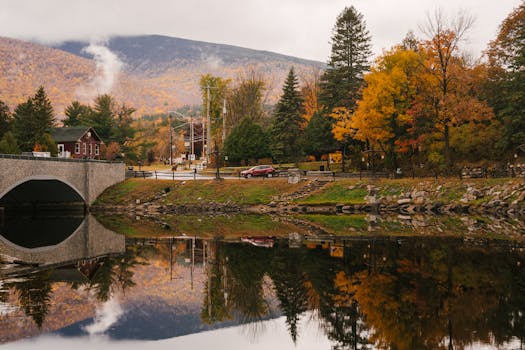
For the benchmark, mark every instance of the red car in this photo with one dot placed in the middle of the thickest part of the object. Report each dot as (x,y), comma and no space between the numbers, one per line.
(259,170)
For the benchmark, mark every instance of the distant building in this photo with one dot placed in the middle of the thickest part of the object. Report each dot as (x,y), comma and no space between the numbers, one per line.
(78,142)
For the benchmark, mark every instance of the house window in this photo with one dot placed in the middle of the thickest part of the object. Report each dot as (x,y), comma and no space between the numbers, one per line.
(60,148)
(77,148)
(90,149)
(97,149)
(85,148)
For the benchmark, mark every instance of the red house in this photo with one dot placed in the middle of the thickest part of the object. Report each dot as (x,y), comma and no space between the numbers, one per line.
(78,142)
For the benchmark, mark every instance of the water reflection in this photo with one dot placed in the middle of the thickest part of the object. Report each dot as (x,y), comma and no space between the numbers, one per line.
(37,232)
(361,292)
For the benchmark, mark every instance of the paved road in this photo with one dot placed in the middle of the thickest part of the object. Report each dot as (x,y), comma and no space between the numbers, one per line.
(186,175)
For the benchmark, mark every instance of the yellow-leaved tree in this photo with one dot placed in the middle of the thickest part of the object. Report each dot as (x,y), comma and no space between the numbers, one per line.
(383,116)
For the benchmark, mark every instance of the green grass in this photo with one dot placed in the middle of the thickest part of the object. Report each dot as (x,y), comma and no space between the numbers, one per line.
(337,192)
(240,192)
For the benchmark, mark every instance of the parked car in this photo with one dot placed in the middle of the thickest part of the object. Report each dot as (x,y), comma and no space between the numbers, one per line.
(259,170)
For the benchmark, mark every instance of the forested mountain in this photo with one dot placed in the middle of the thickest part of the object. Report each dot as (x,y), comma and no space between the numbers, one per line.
(151,73)
(149,54)
(25,66)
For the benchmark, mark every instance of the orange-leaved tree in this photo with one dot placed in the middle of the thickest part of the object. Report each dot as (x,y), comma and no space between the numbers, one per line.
(383,114)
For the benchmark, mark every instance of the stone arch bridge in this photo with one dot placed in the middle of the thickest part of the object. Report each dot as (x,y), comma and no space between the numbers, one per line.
(55,180)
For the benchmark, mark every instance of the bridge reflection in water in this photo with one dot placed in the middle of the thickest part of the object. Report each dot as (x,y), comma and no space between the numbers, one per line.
(391,292)
(40,242)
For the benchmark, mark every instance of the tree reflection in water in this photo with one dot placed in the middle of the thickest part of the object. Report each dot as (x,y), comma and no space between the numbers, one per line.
(385,293)
(105,276)
(290,282)
(34,296)
(417,293)
(115,273)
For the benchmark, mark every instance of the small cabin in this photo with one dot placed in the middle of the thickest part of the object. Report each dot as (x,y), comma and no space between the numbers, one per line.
(78,142)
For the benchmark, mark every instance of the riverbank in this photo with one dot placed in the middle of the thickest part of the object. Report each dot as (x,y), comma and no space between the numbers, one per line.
(502,197)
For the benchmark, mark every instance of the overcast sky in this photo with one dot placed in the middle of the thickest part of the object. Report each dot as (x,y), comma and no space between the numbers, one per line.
(295,27)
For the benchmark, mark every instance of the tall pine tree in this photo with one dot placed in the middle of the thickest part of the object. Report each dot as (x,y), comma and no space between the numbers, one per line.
(247,141)
(349,60)
(43,112)
(77,114)
(506,83)
(318,138)
(103,116)
(287,122)
(5,119)
(32,120)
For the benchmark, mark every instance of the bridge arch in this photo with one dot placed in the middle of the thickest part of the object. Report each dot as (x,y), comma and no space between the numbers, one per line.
(88,178)
(43,180)
(89,240)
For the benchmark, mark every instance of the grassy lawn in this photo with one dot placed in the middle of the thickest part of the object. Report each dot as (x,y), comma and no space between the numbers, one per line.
(262,191)
(353,191)
(242,192)
(337,192)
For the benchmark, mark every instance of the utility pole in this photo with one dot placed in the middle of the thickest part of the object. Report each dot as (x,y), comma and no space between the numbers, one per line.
(191,136)
(208,121)
(223,122)
(217,165)
(171,140)
(208,87)
(203,138)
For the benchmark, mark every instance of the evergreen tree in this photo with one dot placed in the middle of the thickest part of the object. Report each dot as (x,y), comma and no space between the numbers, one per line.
(122,128)
(23,125)
(103,116)
(5,119)
(32,120)
(77,114)
(318,138)
(342,80)
(287,122)
(247,141)
(506,83)
(44,118)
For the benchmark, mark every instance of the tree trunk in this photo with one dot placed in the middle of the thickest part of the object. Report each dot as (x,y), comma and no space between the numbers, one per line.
(343,154)
(448,162)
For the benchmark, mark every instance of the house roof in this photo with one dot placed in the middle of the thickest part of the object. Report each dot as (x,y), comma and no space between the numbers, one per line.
(72,134)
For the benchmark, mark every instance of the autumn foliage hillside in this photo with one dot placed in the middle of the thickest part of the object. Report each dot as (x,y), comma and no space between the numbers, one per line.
(157,73)
(25,66)
(66,77)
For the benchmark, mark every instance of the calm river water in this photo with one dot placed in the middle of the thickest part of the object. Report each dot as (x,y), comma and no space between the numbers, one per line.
(301,283)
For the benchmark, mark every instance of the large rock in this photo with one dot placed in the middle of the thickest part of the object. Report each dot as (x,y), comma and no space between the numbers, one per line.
(404,201)
(372,199)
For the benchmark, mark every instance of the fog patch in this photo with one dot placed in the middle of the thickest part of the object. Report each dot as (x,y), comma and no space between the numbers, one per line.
(106,316)
(107,69)
(213,62)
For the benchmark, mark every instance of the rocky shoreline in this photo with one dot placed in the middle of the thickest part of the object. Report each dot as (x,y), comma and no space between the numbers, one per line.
(422,198)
